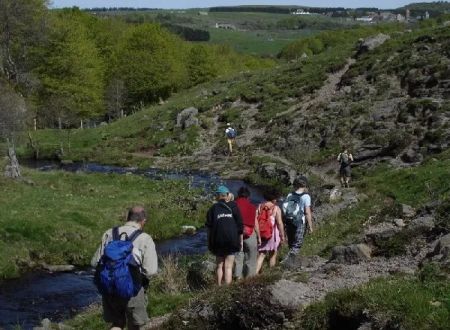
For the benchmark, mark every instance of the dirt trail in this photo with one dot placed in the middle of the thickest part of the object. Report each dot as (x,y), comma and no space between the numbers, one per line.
(323,95)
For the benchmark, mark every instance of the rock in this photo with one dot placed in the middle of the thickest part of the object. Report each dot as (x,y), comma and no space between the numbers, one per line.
(58,268)
(187,118)
(351,254)
(289,293)
(188,230)
(441,251)
(46,324)
(200,274)
(335,195)
(424,223)
(281,173)
(366,326)
(407,211)
(399,223)
(411,156)
(66,162)
(372,42)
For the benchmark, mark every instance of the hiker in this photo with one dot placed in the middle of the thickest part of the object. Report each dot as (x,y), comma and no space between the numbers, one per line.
(124,263)
(246,259)
(271,228)
(230,133)
(225,230)
(297,216)
(345,159)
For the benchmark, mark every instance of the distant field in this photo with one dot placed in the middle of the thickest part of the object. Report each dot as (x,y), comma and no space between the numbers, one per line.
(256,33)
(257,42)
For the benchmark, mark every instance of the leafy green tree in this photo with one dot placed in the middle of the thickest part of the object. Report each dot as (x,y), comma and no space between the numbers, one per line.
(22,27)
(201,64)
(150,61)
(71,71)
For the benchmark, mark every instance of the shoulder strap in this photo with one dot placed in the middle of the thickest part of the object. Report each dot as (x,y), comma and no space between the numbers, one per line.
(226,206)
(134,235)
(115,234)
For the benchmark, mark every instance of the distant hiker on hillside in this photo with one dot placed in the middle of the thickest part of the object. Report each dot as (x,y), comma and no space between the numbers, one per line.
(271,228)
(231,134)
(124,263)
(345,171)
(225,234)
(246,259)
(297,215)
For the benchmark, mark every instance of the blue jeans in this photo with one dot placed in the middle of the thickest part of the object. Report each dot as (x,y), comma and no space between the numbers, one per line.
(295,234)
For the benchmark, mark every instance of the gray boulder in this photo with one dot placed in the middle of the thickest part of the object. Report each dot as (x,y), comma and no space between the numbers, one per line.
(424,223)
(200,274)
(411,156)
(281,173)
(289,293)
(442,249)
(371,43)
(187,118)
(407,211)
(351,254)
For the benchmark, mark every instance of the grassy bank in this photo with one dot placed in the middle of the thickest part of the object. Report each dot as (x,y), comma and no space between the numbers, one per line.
(401,302)
(58,217)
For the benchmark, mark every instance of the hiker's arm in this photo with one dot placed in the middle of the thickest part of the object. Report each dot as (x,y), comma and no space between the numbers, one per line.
(99,252)
(258,235)
(240,226)
(339,157)
(309,218)
(150,259)
(350,156)
(280,224)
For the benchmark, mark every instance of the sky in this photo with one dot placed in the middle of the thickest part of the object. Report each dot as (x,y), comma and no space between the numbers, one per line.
(173,4)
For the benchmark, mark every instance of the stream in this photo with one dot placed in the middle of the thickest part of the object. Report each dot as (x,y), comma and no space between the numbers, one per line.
(58,296)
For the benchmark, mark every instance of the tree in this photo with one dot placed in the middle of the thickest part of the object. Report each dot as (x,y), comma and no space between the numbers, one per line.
(201,64)
(71,72)
(22,27)
(115,98)
(150,62)
(12,111)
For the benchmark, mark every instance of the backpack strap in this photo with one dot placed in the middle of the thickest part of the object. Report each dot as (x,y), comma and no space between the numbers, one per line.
(134,235)
(115,234)
(226,206)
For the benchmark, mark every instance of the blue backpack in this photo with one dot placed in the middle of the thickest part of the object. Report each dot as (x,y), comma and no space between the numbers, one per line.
(117,273)
(231,134)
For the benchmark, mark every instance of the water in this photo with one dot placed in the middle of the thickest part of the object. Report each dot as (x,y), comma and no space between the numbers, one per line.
(58,296)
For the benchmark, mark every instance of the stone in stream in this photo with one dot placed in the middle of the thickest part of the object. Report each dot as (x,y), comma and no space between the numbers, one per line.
(58,268)
(188,230)
(407,211)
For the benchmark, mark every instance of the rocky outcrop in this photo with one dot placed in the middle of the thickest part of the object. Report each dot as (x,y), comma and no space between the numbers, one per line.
(351,254)
(289,293)
(366,45)
(281,173)
(187,118)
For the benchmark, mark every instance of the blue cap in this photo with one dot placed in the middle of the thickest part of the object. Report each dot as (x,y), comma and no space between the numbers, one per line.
(222,190)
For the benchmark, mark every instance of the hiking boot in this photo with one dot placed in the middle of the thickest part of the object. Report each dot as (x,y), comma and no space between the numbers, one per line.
(291,262)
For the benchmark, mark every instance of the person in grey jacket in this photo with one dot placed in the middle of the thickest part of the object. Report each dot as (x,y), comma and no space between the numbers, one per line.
(133,312)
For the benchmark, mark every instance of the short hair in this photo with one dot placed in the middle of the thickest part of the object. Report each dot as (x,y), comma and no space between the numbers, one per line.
(244,192)
(271,194)
(300,182)
(136,214)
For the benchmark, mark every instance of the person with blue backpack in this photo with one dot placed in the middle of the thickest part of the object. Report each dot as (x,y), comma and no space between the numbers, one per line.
(297,216)
(125,261)
(231,134)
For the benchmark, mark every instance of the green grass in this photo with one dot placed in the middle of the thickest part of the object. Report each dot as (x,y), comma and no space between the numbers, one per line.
(396,302)
(259,42)
(61,217)
(386,188)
